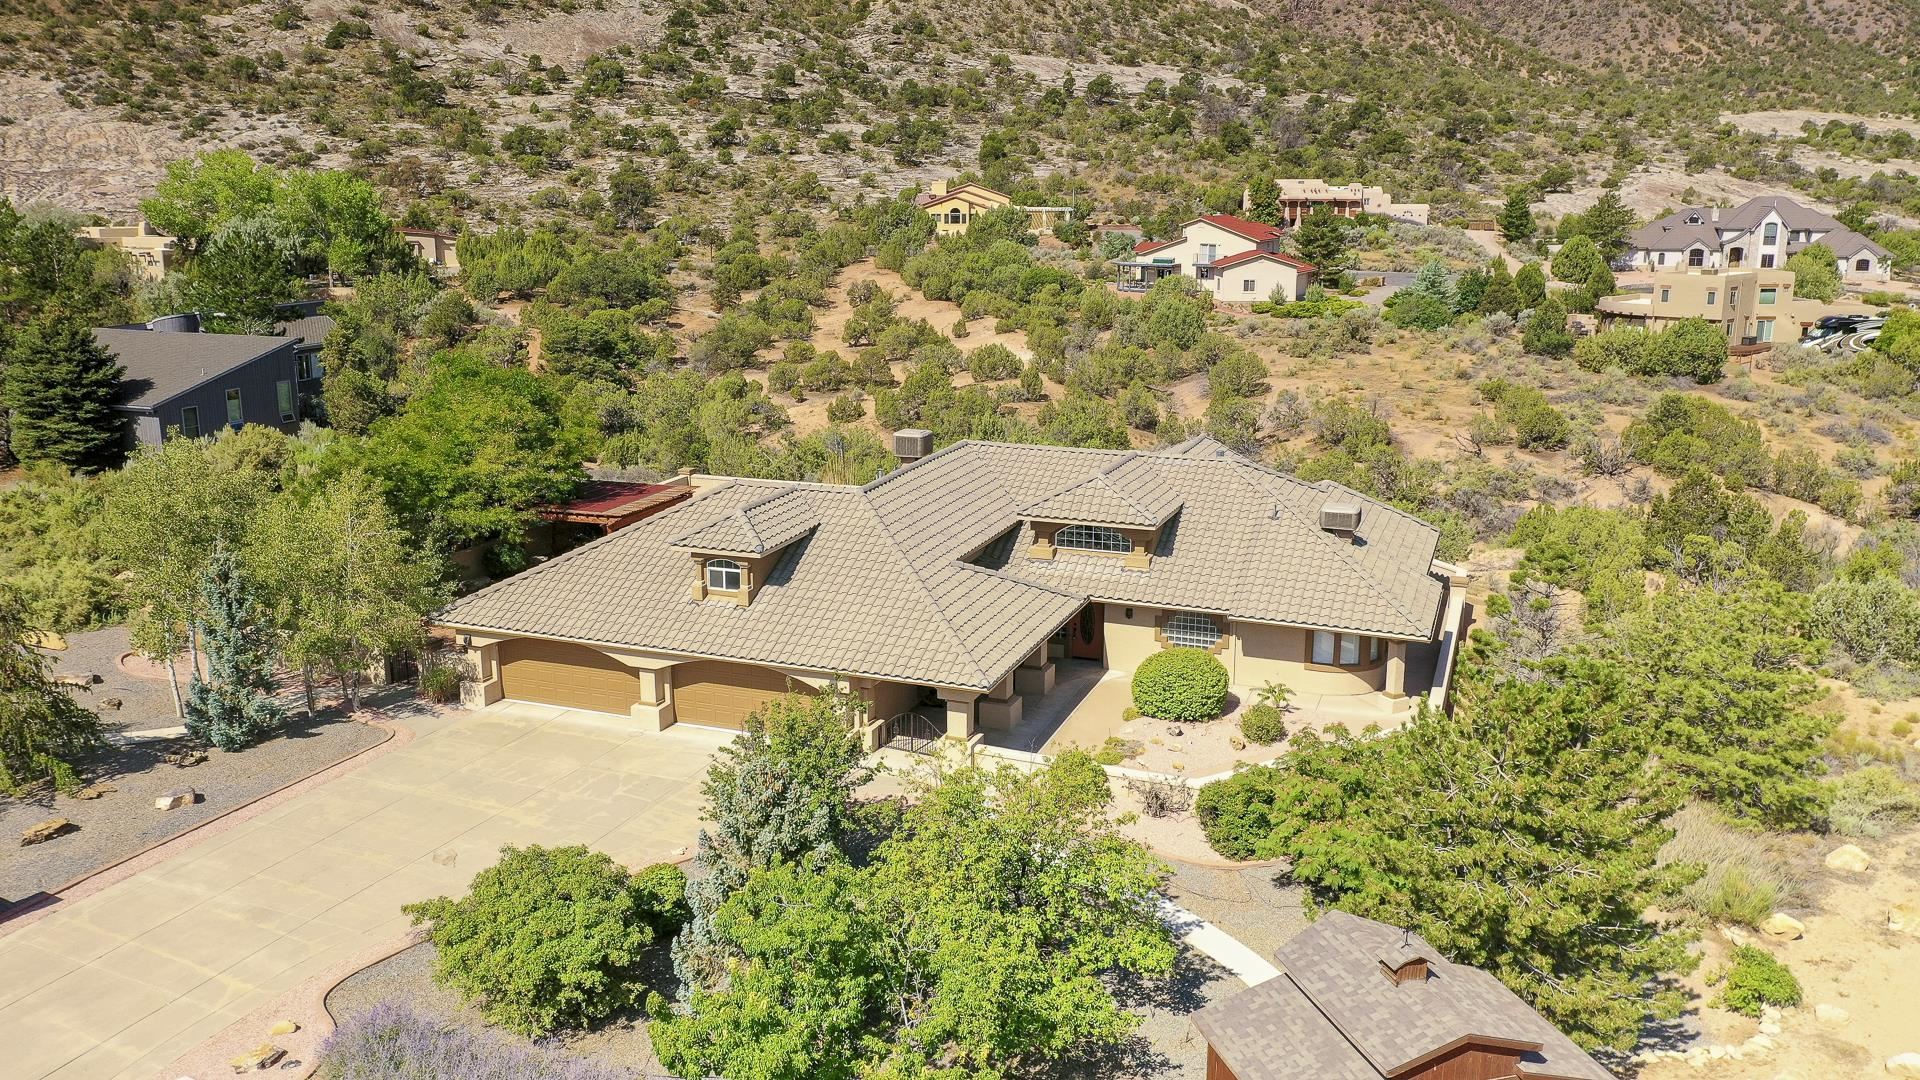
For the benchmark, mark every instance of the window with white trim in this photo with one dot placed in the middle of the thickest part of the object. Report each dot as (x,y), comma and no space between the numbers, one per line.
(1192,630)
(723,575)
(1345,650)
(1247,285)
(1092,538)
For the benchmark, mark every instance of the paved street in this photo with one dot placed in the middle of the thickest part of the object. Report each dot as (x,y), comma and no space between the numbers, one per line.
(123,982)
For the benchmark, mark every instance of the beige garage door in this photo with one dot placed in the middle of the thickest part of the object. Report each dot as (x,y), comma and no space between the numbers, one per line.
(575,676)
(718,694)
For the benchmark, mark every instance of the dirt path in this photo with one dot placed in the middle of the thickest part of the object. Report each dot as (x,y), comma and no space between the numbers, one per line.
(1490,240)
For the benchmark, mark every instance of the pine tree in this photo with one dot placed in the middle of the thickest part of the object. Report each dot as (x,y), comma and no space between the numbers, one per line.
(1546,332)
(1499,295)
(1530,286)
(1516,218)
(1322,240)
(233,706)
(1607,222)
(60,385)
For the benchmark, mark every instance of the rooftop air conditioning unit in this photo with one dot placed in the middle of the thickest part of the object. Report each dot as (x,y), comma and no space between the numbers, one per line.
(912,444)
(1340,517)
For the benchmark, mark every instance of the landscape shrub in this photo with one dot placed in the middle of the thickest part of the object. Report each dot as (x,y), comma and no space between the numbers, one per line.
(1263,725)
(1754,980)
(550,938)
(1237,813)
(1692,348)
(391,1041)
(1743,880)
(1872,802)
(440,678)
(1162,798)
(1181,685)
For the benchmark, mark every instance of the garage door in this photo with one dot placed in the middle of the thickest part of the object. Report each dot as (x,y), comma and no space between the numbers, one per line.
(718,694)
(575,676)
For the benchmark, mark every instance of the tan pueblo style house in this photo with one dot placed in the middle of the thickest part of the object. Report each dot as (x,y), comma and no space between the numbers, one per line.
(958,582)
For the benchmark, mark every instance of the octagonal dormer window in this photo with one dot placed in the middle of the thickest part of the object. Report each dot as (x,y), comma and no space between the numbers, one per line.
(1092,538)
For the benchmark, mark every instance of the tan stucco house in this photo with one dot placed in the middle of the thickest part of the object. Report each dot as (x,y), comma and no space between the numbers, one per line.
(963,578)
(953,208)
(150,252)
(1751,306)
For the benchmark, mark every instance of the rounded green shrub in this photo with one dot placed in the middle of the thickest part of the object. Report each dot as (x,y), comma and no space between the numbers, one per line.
(1755,980)
(1237,813)
(1263,725)
(1184,685)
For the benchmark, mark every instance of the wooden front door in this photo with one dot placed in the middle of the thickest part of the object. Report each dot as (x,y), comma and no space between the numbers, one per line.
(1087,634)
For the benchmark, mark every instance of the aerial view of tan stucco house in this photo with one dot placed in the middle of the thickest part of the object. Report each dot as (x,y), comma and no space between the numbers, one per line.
(958,582)
(1300,196)
(150,252)
(1234,260)
(1759,234)
(954,207)
(1360,1000)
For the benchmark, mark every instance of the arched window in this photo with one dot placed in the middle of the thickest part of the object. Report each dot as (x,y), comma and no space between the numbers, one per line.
(955,217)
(1193,630)
(1092,538)
(1863,264)
(723,575)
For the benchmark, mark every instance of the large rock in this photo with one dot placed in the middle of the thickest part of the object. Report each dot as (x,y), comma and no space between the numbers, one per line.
(283,1027)
(175,799)
(95,791)
(1783,927)
(1904,1064)
(263,1056)
(1829,1014)
(1848,857)
(47,830)
(1904,918)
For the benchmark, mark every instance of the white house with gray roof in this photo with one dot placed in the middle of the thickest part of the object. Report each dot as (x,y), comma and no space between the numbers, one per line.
(1759,234)
(964,579)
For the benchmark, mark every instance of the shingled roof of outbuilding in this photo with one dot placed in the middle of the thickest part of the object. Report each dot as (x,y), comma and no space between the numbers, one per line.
(922,575)
(1334,1013)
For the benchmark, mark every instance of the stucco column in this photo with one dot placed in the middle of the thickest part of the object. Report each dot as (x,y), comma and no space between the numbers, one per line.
(654,710)
(483,660)
(1396,669)
(959,703)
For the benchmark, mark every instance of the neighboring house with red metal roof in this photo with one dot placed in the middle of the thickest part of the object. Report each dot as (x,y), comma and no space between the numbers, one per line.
(1361,1000)
(1236,260)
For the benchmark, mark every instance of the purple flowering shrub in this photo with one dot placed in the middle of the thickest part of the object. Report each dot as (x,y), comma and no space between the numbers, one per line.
(392,1042)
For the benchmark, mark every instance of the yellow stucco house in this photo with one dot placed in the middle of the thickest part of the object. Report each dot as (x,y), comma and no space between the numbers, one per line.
(954,208)
(960,582)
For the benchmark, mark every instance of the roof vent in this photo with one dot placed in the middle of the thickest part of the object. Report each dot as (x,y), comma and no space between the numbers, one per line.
(912,444)
(1343,518)
(1406,962)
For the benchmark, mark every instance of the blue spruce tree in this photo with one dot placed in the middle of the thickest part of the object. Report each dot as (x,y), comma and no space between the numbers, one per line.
(233,707)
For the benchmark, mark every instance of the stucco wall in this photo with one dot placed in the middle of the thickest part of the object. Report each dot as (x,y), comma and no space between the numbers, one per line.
(1254,653)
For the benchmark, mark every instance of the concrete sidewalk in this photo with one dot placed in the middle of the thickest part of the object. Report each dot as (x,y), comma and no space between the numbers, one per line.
(123,982)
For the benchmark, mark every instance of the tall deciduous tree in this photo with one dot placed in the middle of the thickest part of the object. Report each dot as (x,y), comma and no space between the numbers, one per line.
(782,793)
(979,940)
(232,705)
(1816,272)
(345,584)
(172,506)
(202,193)
(59,385)
(42,729)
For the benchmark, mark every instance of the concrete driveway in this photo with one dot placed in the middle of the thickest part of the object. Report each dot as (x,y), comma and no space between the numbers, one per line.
(123,982)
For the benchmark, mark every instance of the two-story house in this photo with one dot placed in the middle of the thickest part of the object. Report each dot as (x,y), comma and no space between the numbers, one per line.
(1759,234)
(1235,260)
(1300,196)
(180,382)
(1752,306)
(954,208)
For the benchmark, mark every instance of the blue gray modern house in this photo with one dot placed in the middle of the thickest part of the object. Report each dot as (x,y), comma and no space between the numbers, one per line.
(181,382)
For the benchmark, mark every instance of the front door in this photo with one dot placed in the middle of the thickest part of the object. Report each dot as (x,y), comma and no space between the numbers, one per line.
(1087,634)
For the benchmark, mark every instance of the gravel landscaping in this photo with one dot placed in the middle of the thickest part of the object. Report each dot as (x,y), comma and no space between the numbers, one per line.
(407,977)
(123,822)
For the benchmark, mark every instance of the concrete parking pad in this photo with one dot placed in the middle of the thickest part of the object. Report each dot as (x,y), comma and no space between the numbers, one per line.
(122,982)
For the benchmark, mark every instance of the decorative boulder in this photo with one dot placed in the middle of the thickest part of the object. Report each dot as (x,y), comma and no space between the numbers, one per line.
(1907,1064)
(283,1027)
(47,830)
(186,759)
(1782,927)
(94,791)
(177,798)
(112,704)
(1904,918)
(75,678)
(263,1056)
(1829,1014)
(1848,857)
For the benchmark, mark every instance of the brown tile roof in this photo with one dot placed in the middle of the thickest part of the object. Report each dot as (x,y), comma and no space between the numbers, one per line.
(756,528)
(1334,1013)
(876,581)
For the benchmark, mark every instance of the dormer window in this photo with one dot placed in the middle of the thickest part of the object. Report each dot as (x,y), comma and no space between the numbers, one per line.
(723,575)
(1092,538)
